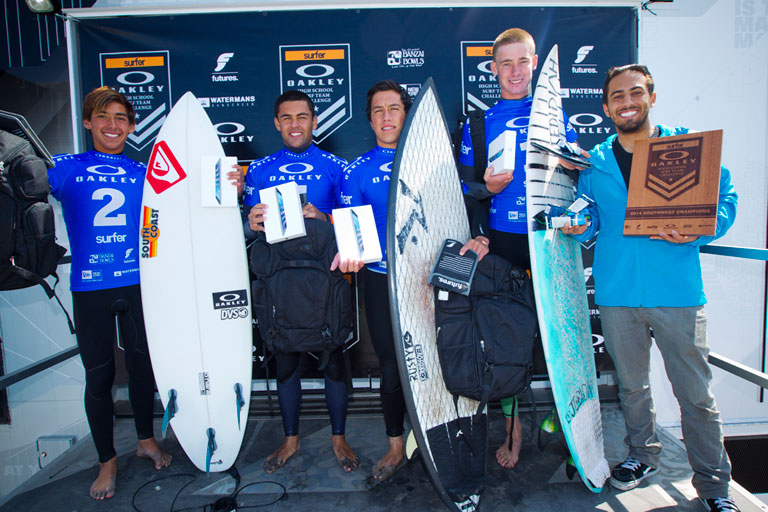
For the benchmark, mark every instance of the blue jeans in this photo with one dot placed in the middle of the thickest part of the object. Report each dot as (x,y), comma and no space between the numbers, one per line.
(681,336)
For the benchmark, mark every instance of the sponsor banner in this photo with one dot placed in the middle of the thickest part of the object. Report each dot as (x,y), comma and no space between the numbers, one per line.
(145,79)
(234,77)
(479,87)
(323,72)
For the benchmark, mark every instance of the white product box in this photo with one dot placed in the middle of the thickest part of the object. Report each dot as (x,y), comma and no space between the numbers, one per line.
(501,152)
(284,218)
(356,235)
(215,188)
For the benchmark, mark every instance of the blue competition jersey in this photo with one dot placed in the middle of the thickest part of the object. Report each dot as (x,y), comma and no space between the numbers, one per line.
(317,171)
(507,211)
(366,181)
(101,198)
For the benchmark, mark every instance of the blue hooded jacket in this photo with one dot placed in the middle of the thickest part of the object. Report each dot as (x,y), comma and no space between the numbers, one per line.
(635,271)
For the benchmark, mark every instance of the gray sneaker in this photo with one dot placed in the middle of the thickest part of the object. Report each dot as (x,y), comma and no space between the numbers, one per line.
(630,473)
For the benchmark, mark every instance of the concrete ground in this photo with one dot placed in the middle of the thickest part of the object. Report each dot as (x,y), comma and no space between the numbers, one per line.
(312,480)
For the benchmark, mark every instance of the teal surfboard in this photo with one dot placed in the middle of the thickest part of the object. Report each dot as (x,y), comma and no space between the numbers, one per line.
(559,286)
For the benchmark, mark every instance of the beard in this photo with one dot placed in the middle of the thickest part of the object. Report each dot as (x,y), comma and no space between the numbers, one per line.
(630,126)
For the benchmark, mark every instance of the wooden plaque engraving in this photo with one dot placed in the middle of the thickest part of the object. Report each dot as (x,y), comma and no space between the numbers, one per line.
(674,184)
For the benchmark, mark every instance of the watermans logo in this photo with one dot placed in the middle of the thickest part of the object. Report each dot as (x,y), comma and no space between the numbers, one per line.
(582,92)
(222,72)
(150,232)
(145,79)
(232,304)
(479,88)
(323,73)
(163,170)
(581,67)
(405,58)
(227,101)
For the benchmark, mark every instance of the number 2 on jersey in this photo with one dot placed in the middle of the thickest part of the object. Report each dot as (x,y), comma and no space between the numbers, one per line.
(116,200)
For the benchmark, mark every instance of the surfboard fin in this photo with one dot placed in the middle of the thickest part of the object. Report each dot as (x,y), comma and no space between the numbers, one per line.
(240,401)
(170,410)
(570,468)
(211,448)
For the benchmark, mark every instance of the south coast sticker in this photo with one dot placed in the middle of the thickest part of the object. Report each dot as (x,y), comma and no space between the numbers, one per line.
(150,232)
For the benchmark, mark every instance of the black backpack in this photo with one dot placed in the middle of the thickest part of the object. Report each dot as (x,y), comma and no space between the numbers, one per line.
(485,340)
(299,304)
(28,248)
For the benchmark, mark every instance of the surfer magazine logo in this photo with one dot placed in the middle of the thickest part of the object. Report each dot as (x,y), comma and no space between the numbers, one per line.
(479,87)
(322,71)
(145,79)
(150,232)
(163,170)
(232,304)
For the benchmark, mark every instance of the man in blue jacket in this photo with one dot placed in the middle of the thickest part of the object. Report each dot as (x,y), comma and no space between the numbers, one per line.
(653,283)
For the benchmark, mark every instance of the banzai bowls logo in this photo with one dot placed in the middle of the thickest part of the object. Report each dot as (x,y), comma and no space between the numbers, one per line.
(405,58)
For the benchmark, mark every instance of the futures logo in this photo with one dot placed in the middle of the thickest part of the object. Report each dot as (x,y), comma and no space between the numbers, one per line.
(582,53)
(221,62)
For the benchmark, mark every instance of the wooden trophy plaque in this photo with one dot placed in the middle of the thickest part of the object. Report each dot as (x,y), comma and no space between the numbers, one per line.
(674,184)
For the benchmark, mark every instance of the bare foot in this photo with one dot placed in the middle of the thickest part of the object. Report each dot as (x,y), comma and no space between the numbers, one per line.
(278,459)
(347,458)
(386,467)
(149,449)
(504,456)
(104,485)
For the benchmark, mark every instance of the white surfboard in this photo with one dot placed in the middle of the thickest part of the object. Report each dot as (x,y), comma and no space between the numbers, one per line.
(195,288)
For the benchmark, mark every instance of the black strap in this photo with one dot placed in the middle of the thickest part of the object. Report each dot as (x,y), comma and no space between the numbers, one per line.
(465,427)
(477,135)
(50,292)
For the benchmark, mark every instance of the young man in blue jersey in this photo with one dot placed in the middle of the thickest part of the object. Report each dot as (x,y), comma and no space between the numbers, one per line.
(653,283)
(318,173)
(514,60)
(100,192)
(366,181)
